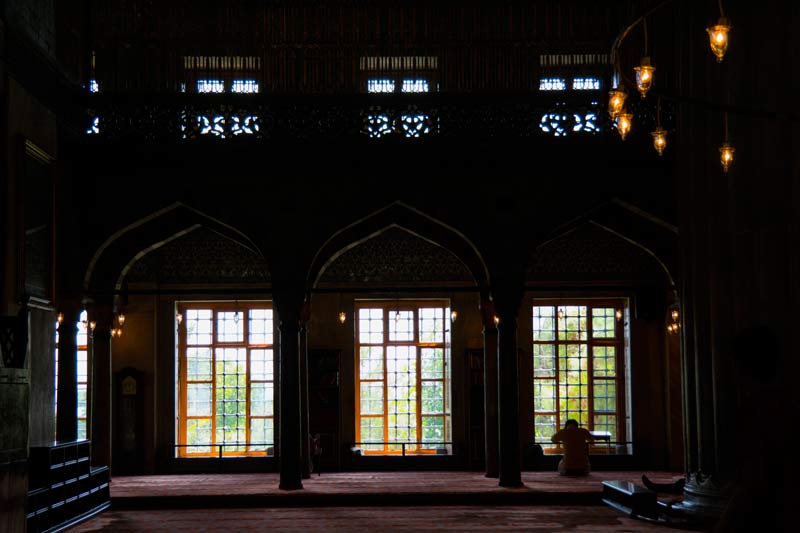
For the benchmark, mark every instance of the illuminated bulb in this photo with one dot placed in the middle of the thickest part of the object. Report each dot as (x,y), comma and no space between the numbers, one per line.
(60,318)
(92,325)
(342,317)
(560,313)
(726,152)
(121,319)
(624,124)
(644,76)
(675,314)
(718,38)
(659,139)
(453,315)
(616,101)
(496,320)
(116,332)
(618,314)
(179,317)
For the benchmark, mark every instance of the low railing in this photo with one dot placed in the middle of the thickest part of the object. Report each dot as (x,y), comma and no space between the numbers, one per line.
(600,445)
(268,450)
(430,448)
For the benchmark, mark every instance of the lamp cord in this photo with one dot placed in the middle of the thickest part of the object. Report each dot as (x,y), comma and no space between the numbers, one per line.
(721,11)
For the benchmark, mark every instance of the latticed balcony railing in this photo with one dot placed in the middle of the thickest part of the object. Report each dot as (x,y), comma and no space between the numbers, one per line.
(378,117)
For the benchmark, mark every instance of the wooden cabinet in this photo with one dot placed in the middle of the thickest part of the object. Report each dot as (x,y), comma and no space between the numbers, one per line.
(63,487)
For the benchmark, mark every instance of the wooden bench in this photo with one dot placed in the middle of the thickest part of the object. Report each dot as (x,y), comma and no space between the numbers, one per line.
(631,499)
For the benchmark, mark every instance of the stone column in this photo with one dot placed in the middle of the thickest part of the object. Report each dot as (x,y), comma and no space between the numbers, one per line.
(67,408)
(490,387)
(100,384)
(510,464)
(291,472)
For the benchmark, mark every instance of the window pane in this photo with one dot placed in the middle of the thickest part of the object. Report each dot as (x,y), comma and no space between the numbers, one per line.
(210,86)
(382,85)
(261,399)
(199,326)
(604,361)
(372,431)
(82,397)
(230,326)
(198,364)
(198,432)
(262,367)
(244,86)
(585,84)
(231,400)
(431,325)
(370,326)
(573,326)
(432,397)
(604,324)
(371,362)
(401,372)
(262,432)
(544,323)
(552,84)
(401,325)
(544,395)
(260,326)
(544,427)
(605,396)
(415,86)
(433,429)
(198,399)
(607,423)
(544,360)
(432,363)
(371,398)
(82,429)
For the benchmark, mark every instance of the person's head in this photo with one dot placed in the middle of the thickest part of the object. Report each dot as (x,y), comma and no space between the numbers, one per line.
(573,423)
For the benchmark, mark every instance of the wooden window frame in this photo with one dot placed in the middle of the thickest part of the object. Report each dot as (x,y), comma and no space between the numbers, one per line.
(216,307)
(388,307)
(619,342)
(83,329)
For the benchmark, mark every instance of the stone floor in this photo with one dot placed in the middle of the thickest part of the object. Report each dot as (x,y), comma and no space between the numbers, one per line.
(359,501)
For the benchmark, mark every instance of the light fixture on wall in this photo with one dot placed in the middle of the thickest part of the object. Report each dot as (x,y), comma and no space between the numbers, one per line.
(60,317)
(618,314)
(342,317)
(496,320)
(121,319)
(116,332)
(453,315)
(674,316)
(179,317)
(92,325)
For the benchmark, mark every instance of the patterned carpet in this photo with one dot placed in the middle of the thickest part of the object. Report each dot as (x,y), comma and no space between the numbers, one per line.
(361,501)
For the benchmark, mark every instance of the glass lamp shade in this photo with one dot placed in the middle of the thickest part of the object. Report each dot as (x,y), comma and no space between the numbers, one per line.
(718,38)
(624,121)
(644,76)
(616,101)
(659,139)
(726,152)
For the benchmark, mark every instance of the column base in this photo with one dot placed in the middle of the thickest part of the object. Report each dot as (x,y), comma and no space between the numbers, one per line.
(704,498)
(293,485)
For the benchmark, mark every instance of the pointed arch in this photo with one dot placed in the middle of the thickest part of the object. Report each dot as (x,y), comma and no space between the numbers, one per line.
(114,258)
(407,218)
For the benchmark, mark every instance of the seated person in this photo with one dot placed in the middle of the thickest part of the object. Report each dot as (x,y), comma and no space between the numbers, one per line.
(573,439)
